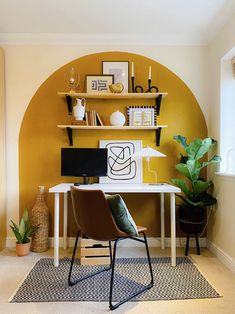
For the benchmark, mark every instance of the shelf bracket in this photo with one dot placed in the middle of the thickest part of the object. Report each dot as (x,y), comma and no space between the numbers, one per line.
(158,136)
(70,136)
(158,104)
(69,104)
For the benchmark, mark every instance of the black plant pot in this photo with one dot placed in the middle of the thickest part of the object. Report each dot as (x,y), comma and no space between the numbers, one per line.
(192,219)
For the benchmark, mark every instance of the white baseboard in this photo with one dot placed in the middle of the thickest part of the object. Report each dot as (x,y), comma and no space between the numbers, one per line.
(226,259)
(152,241)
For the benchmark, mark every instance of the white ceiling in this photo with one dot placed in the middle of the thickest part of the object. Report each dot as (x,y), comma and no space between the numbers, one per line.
(167,21)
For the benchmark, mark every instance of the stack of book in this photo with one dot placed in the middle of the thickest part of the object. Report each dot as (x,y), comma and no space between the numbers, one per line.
(93,118)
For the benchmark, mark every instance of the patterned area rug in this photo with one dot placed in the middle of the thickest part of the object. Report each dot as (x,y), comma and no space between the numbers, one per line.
(46,283)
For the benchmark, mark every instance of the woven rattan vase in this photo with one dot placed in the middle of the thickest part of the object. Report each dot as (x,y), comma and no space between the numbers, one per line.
(40,217)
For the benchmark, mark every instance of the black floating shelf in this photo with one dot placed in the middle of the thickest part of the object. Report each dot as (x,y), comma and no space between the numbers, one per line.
(69,104)
(70,135)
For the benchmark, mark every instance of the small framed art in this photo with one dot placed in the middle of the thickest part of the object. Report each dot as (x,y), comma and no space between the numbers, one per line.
(141,116)
(99,83)
(120,70)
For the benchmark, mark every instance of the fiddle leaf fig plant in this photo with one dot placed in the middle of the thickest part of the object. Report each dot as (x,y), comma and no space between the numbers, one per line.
(194,186)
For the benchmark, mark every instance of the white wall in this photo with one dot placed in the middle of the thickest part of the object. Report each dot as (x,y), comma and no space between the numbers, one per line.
(2,155)
(28,66)
(221,229)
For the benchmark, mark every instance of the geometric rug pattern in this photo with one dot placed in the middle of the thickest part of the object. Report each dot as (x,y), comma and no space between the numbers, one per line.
(46,283)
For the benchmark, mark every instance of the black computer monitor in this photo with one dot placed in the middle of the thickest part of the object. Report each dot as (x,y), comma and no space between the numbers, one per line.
(84,162)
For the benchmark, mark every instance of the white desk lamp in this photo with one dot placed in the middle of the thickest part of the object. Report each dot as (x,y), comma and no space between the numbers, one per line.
(147,153)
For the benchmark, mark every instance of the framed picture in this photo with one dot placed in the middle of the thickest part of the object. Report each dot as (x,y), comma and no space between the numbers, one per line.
(98,83)
(120,70)
(122,167)
(141,116)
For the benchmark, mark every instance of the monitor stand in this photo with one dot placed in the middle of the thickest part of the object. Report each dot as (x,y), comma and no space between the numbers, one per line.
(85,181)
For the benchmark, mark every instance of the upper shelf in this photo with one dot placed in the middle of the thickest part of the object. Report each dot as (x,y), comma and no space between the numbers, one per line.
(155,96)
(111,127)
(113,95)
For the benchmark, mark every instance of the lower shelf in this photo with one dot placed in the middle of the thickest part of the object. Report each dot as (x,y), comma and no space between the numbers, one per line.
(70,129)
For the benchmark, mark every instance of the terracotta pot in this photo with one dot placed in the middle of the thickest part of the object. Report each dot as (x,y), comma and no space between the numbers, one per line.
(22,249)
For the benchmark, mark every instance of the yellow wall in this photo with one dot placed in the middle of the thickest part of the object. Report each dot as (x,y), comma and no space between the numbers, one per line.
(2,156)
(40,140)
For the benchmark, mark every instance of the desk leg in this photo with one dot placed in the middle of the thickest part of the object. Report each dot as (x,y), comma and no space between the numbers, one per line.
(65,219)
(173,241)
(56,229)
(162,221)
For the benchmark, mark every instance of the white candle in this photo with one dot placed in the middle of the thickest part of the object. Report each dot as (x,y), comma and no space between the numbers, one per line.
(150,72)
(132,69)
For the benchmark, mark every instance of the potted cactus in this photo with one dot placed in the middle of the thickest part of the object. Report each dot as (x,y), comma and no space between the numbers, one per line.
(23,232)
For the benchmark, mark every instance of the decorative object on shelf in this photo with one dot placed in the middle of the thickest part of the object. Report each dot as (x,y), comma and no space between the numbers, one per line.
(120,70)
(78,122)
(96,83)
(117,118)
(116,88)
(138,88)
(142,115)
(72,79)
(196,199)
(40,217)
(23,233)
(148,153)
(79,109)
(122,168)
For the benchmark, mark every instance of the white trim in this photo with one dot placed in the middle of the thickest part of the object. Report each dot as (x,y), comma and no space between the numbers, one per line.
(226,259)
(152,241)
(225,174)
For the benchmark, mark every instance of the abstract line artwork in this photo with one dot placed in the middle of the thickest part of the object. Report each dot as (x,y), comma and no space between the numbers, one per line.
(122,168)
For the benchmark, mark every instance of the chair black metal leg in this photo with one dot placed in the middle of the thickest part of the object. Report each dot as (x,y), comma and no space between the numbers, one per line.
(110,253)
(114,306)
(187,244)
(149,261)
(197,244)
(72,283)
(72,261)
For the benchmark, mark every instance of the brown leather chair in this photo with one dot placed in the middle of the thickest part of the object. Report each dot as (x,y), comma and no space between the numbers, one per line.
(94,219)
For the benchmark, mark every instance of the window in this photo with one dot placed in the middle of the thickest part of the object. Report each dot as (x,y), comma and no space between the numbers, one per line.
(227,114)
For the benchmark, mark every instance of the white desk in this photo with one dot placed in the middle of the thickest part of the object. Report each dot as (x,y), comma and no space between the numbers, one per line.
(116,188)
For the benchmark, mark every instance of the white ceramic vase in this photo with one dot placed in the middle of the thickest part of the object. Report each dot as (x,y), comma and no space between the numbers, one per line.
(117,118)
(79,109)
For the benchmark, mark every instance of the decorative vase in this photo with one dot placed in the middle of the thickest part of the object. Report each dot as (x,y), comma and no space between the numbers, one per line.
(117,118)
(79,109)
(22,249)
(40,217)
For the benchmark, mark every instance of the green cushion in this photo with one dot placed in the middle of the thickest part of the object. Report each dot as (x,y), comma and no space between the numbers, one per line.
(121,214)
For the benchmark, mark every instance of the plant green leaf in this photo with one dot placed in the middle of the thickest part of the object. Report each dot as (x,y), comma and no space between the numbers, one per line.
(191,169)
(201,186)
(198,148)
(25,216)
(22,227)
(183,169)
(182,185)
(182,140)
(17,235)
(215,159)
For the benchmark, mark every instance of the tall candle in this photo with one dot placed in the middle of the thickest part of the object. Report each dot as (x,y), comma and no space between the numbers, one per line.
(150,72)
(132,69)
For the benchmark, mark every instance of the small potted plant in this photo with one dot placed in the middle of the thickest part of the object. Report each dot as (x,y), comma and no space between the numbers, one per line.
(196,198)
(23,233)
